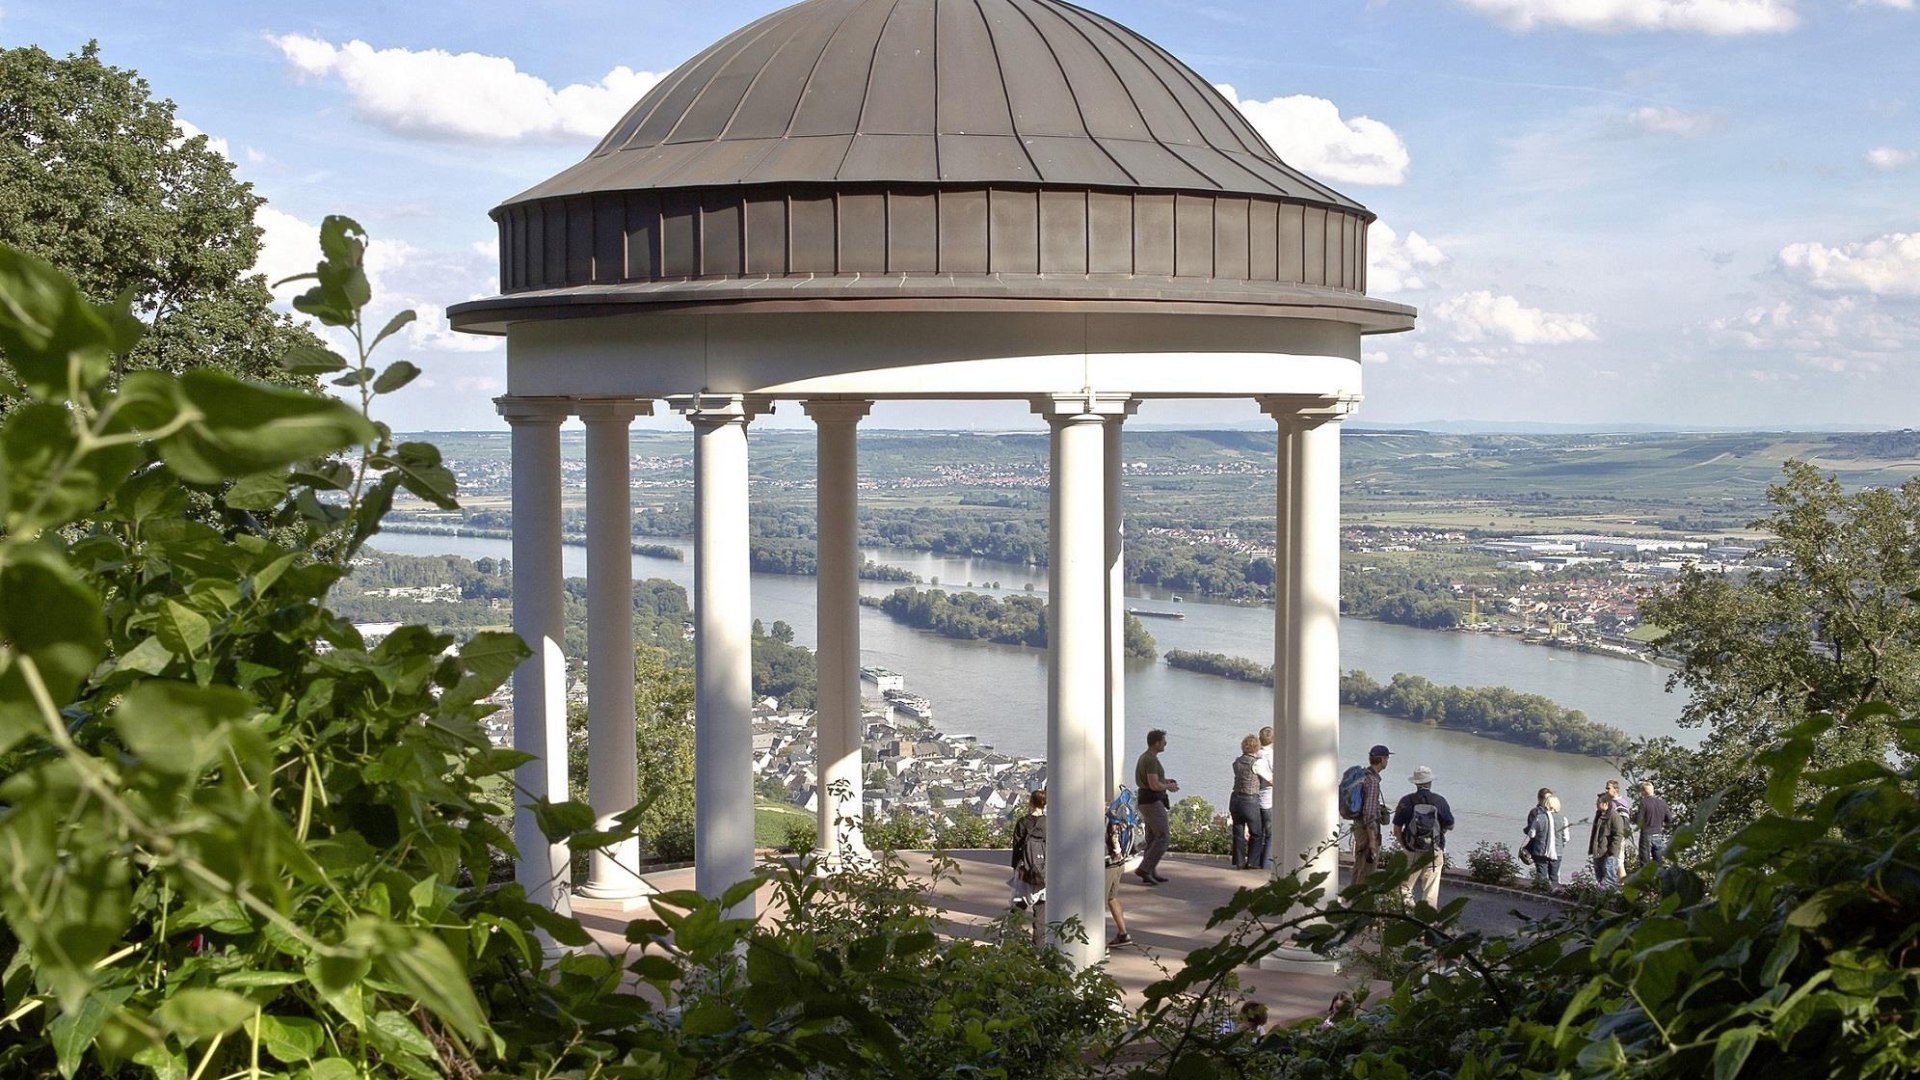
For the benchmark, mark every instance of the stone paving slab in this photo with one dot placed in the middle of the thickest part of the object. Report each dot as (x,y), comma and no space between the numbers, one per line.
(1166,921)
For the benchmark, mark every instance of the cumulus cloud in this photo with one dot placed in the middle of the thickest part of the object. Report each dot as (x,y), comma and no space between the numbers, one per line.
(1659,120)
(1692,16)
(437,94)
(214,143)
(1889,158)
(1884,266)
(1833,334)
(1482,316)
(1398,263)
(1309,133)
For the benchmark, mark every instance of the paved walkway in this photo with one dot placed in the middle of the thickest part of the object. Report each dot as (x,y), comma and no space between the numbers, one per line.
(1166,921)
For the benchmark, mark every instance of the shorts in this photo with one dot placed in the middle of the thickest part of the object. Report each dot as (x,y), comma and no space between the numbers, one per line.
(1113,881)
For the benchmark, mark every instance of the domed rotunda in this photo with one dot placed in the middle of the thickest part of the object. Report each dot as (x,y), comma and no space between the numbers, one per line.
(852,201)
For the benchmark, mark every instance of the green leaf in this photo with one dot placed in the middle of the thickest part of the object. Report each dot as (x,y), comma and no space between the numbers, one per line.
(312,360)
(176,727)
(428,970)
(55,340)
(708,1018)
(393,326)
(340,282)
(184,631)
(49,483)
(560,820)
(398,1031)
(72,1033)
(496,760)
(420,471)
(261,491)
(49,615)
(739,892)
(197,1013)
(334,1069)
(338,978)
(290,1039)
(246,429)
(398,374)
(1731,1049)
(150,657)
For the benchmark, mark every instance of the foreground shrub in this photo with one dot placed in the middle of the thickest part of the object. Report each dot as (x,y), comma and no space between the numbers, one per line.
(1491,863)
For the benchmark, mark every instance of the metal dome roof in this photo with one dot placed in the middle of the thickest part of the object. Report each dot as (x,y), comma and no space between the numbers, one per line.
(941,92)
(922,154)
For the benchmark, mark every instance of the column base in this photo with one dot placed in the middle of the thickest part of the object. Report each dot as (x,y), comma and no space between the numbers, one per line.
(1294,960)
(618,900)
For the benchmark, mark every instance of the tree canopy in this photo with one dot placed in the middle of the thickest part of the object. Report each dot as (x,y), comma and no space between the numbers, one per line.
(97,178)
(1827,630)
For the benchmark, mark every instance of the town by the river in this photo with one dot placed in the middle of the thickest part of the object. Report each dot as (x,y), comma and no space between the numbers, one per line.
(998,692)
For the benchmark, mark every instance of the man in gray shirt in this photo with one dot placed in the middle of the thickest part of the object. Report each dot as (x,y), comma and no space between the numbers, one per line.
(1653,821)
(1150,780)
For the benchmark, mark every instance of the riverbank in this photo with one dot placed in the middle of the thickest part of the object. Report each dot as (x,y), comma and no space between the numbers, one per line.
(1491,712)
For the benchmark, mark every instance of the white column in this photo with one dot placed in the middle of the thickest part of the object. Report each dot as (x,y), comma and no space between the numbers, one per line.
(612,781)
(1116,748)
(1284,847)
(1077,634)
(722,644)
(837,708)
(1307,789)
(539,683)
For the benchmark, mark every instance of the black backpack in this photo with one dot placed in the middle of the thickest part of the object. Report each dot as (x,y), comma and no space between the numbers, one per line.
(1423,825)
(1030,851)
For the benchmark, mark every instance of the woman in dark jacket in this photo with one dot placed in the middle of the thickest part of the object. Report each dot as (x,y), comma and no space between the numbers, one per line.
(1243,806)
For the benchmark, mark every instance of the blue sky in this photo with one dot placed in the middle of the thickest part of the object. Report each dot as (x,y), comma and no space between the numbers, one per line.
(1677,212)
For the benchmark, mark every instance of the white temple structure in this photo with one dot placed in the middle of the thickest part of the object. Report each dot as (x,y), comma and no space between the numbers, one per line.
(853,201)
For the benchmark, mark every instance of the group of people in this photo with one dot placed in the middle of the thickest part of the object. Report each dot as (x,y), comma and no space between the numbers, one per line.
(1649,821)
(1420,821)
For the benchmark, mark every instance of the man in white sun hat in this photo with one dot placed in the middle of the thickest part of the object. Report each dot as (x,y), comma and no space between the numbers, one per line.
(1420,823)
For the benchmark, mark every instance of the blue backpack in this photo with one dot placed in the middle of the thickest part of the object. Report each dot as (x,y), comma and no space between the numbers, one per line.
(1124,826)
(1352,796)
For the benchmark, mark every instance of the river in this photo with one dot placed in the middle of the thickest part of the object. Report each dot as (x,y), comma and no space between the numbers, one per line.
(998,692)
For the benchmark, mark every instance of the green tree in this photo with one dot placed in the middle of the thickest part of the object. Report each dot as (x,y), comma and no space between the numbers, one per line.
(96,178)
(1828,631)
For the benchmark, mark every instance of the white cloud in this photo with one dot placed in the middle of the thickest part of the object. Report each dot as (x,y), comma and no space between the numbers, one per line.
(214,143)
(1660,120)
(1884,266)
(1695,16)
(1899,5)
(438,94)
(1832,334)
(1399,264)
(1310,134)
(1483,316)
(1889,158)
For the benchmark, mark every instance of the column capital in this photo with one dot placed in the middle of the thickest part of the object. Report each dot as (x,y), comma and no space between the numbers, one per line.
(720,408)
(1309,410)
(533,410)
(1087,404)
(612,409)
(836,410)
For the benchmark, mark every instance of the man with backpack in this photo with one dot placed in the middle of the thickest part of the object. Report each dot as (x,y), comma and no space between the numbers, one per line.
(1030,864)
(1360,804)
(1123,846)
(1420,823)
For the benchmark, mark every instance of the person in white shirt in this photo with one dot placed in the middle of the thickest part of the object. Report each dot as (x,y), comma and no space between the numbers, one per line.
(1264,770)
